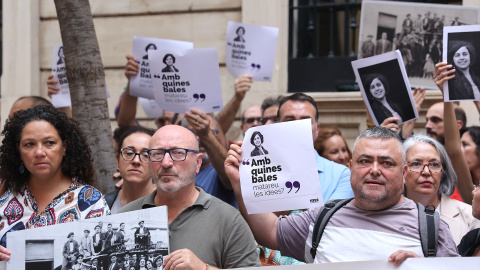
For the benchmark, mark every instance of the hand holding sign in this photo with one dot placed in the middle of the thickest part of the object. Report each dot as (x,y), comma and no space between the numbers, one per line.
(250,49)
(270,179)
(186,79)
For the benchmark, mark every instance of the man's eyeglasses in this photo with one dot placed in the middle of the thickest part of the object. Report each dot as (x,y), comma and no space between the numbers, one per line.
(176,154)
(418,166)
(128,154)
(250,120)
(273,119)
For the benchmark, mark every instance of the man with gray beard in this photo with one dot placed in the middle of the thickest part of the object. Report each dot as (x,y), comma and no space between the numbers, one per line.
(205,233)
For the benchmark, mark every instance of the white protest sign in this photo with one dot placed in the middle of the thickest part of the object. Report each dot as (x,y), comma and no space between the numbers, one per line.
(141,85)
(250,50)
(59,71)
(279,170)
(438,263)
(44,247)
(186,79)
(62,98)
(151,108)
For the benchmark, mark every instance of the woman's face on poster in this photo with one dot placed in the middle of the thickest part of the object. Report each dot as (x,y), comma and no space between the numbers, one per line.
(257,140)
(461,58)
(377,89)
(169,60)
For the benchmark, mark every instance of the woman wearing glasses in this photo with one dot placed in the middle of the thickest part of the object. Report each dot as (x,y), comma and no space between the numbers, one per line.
(431,179)
(132,163)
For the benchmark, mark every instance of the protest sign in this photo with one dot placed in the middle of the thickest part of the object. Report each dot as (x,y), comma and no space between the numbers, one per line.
(151,108)
(385,88)
(250,50)
(143,232)
(470,263)
(59,71)
(278,171)
(186,79)
(460,46)
(141,85)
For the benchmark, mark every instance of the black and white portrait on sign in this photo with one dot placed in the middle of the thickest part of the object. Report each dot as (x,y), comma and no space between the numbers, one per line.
(150,46)
(384,87)
(134,240)
(463,45)
(257,141)
(240,33)
(415,29)
(61,56)
(169,60)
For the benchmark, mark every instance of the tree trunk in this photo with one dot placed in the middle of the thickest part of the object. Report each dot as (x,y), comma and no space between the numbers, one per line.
(86,79)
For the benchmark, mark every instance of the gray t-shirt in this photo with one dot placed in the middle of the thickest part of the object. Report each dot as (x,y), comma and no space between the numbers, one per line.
(213,230)
(353,234)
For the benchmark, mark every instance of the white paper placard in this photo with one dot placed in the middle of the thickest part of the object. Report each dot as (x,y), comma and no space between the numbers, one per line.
(141,85)
(465,40)
(59,71)
(445,263)
(46,244)
(280,173)
(250,50)
(151,108)
(191,79)
(394,96)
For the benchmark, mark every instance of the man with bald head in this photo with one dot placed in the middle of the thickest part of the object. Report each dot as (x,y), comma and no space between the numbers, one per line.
(205,233)
(27,102)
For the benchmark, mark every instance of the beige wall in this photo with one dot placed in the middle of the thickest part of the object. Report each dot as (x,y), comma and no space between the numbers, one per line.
(31,31)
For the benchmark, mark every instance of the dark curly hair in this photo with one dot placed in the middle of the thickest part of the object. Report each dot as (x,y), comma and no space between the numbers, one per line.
(77,161)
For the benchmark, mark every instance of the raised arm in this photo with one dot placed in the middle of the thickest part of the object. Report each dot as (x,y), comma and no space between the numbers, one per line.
(263,226)
(452,136)
(52,89)
(226,117)
(418,97)
(200,122)
(128,105)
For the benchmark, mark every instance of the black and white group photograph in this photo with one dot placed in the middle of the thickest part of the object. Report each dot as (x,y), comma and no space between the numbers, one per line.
(385,87)
(415,29)
(129,241)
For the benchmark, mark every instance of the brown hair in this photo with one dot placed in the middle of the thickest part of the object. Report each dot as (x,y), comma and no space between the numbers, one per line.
(323,135)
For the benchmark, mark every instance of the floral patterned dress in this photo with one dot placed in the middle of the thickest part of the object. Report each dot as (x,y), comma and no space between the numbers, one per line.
(19,211)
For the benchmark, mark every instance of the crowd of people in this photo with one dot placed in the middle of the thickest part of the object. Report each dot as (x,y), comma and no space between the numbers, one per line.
(189,165)
(420,41)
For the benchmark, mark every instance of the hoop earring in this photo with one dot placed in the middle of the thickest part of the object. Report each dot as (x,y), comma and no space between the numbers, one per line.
(21,169)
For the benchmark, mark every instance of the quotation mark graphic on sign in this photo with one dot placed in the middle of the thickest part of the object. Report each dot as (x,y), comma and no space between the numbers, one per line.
(255,66)
(296,185)
(157,76)
(246,162)
(197,96)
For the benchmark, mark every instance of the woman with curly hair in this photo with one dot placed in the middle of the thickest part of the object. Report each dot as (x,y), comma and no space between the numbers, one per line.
(47,173)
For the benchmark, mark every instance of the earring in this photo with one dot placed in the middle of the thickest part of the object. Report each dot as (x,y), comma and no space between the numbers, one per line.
(22,168)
